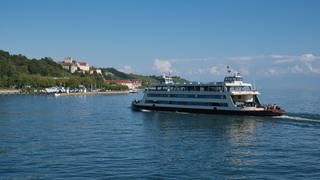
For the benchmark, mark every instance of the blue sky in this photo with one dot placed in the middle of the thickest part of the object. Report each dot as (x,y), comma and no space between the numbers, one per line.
(194,39)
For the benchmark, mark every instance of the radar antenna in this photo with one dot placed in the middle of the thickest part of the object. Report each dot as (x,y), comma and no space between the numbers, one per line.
(228,69)
(232,72)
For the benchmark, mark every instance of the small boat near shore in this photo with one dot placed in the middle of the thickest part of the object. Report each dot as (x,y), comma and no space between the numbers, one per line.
(230,97)
(133,91)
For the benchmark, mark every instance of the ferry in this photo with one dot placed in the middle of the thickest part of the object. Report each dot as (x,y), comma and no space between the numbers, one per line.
(230,97)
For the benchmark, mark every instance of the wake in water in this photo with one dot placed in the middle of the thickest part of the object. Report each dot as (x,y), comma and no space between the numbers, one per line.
(301,117)
(145,110)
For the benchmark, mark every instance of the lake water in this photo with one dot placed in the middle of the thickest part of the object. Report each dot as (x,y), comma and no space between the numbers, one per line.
(45,137)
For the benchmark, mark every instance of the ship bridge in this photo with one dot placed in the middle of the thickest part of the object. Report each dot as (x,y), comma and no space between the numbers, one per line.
(242,94)
(235,85)
(236,80)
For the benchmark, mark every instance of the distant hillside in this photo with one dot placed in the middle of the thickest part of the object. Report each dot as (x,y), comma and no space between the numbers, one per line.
(114,74)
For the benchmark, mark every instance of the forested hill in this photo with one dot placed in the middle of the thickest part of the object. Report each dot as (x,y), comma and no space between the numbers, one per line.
(19,71)
(13,65)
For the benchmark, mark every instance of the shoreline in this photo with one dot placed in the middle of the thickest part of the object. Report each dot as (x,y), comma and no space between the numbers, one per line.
(9,91)
(91,93)
(19,92)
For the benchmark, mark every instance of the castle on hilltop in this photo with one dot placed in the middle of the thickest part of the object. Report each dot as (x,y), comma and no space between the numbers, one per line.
(77,66)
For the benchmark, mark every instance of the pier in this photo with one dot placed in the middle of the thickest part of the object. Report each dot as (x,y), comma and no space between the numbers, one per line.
(92,93)
(9,91)
(15,91)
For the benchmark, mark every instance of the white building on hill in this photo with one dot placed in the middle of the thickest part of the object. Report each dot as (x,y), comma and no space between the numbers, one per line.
(76,66)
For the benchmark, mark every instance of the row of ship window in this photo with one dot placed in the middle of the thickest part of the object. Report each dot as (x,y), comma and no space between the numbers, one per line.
(188,88)
(188,103)
(187,96)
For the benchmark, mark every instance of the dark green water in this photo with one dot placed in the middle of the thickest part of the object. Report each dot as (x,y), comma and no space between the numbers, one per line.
(44,137)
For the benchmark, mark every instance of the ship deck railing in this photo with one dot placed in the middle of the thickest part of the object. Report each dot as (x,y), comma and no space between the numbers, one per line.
(245,92)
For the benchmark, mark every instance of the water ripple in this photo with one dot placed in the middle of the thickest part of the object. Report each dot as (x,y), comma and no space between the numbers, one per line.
(100,137)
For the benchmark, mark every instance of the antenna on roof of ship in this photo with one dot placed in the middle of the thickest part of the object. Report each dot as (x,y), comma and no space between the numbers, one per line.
(228,69)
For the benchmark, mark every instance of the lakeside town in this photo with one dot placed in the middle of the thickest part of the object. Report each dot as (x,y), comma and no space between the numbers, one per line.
(76,78)
(21,75)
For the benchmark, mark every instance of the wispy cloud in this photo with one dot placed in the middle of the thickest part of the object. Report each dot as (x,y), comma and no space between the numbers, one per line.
(241,58)
(279,59)
(278,56)
(312,62)
(296,69)
(253,65)
(215,70)
(127,69)
(273,71)
(309,58)
(290,58)
(186,60)
(312,68)
(162,66)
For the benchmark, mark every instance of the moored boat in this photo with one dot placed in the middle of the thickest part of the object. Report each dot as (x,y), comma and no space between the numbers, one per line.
(133,91)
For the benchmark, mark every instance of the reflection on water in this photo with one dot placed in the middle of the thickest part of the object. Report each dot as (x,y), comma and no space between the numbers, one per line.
(242,133)
(242,136)
(182,135)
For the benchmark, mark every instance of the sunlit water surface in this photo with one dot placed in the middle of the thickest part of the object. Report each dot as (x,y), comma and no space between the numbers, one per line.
(100,137)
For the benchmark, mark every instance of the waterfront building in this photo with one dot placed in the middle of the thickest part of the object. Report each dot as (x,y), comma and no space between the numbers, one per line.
(83,66)
(95,70)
